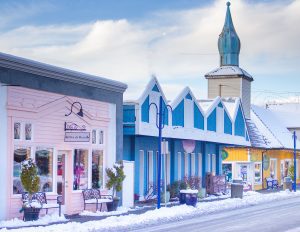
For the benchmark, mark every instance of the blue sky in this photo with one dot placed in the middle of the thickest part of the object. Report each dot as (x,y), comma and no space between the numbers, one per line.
(128,40)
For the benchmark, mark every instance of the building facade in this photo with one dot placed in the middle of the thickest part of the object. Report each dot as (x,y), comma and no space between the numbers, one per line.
(69,123)
(195,131)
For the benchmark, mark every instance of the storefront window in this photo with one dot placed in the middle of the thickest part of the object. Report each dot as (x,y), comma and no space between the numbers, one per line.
(227,171)
(257,172)
(273,168)
(20,154)
(17,130)
(244,172)
(97,169)
(44,162)
(80,169)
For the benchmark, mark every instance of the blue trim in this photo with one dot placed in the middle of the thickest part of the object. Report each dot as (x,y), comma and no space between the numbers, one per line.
(155,88)
(188,96)
(198,118)
(212,121)
(145,110)
(165,113)
(220,105)
(239,124)
(227,124)
(178,115)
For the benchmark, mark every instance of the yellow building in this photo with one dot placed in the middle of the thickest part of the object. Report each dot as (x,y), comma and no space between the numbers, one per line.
(246,163)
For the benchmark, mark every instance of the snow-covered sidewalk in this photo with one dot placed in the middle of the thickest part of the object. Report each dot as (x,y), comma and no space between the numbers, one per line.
(164,214)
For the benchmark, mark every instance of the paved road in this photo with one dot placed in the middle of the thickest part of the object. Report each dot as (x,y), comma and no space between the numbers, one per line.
(273,217)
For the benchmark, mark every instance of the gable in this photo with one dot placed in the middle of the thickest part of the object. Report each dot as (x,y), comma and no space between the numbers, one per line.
(212,121)
(145,110)
(178,115)
(198,118)
(239,124)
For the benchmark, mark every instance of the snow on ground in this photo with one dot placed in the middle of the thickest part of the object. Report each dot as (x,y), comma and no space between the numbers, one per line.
(42,221)
(120,210)
(164,214)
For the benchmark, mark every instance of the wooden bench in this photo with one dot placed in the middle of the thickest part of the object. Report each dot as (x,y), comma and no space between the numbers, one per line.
(42,199)
(94,196)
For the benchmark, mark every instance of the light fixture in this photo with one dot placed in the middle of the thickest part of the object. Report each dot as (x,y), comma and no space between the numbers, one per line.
(80,112)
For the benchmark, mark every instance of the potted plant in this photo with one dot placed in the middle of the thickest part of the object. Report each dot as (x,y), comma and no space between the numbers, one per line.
(31,183)
(189,194)
(115,179)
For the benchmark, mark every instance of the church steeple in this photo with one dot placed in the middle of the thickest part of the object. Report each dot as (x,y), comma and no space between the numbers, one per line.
(229,43)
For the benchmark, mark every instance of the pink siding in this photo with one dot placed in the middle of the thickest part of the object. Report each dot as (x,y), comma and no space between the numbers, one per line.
(46,111)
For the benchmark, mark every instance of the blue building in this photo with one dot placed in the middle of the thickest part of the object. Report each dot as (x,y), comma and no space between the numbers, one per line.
(195,131)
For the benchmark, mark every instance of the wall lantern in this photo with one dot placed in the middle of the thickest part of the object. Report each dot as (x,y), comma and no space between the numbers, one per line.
(80,112)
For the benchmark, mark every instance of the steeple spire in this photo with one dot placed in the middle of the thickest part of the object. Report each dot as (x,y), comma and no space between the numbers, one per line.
(229,43)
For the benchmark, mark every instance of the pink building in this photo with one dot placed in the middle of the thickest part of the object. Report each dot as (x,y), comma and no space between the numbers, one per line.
(70,123)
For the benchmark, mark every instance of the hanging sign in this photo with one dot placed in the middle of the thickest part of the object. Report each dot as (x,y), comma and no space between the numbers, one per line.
(77,136)
(189,145)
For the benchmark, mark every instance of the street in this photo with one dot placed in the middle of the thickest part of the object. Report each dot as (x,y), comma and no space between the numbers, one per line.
(278,216)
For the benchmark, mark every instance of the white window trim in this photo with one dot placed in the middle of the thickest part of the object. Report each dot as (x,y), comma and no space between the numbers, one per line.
(179,165)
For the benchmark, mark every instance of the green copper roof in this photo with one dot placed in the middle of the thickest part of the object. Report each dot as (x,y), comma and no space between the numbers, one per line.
(229,43)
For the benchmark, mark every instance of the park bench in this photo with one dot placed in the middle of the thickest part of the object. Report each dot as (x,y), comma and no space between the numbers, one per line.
(94,196)
(42,199)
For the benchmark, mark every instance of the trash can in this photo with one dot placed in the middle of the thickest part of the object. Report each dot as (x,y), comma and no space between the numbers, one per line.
(237,189)
(287,183)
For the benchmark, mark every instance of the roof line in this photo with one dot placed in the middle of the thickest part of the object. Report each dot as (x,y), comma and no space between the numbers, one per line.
(58,73)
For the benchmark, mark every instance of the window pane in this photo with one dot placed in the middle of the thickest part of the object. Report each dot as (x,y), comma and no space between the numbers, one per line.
(20,154)
(101,137)
(28,131)
(44,163)
(97,169)
(17,130)
(93,136)
(80,169)
(257,172)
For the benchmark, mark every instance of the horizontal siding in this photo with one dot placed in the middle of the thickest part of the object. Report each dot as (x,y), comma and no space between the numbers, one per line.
(230,87)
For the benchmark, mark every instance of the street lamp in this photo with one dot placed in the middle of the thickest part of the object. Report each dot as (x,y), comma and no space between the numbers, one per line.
(295,168)
(159,124)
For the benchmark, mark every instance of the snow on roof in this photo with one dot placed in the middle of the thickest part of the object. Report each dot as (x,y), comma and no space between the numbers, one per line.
(289,113)
(256,138)
(205,104)
(272,129)
(230,71)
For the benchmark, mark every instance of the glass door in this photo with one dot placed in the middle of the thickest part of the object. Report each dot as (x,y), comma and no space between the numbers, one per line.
(62,181)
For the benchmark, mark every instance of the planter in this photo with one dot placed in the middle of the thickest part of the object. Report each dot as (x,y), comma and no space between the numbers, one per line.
(188,197)
(112,206)
(31,214)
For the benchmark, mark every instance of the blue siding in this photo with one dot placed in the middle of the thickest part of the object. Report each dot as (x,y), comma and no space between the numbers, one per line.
(128,148)
(128,119)
(188,96)
(155,88)
(220,105)
(212,121)
(165,113)
(198,118)
(145,110)
(178,115)
(227,124)
(182,165)
(239,124)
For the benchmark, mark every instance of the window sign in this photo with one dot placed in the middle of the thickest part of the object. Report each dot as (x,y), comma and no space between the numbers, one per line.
(28,131)
(17,130)
(227,171)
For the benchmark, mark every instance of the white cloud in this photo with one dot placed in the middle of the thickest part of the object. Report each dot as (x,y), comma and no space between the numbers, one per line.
(178,46)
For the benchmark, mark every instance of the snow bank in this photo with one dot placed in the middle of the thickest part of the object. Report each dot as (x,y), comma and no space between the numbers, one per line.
(164,214)
(42,221)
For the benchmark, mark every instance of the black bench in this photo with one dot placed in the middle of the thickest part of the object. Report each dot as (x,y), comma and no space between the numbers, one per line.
(42,199)
(93,196)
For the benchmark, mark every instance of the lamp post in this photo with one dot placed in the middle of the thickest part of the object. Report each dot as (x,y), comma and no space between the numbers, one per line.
(295,165)
(159,124)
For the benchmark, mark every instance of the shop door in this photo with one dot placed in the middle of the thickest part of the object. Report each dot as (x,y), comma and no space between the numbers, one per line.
(63,184)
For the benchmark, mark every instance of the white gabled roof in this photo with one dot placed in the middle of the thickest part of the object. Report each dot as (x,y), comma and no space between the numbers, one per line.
(272,129)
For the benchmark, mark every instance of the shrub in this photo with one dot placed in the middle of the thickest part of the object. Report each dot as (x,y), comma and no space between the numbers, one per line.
(29,178)
(115,177)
